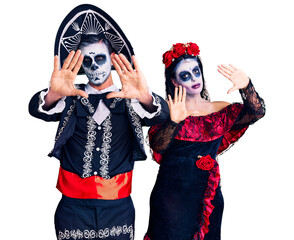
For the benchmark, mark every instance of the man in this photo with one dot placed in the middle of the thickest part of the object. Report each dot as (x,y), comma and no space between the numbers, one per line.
(100,132)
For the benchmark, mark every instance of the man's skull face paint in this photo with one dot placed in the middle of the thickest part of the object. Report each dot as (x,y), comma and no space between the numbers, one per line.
(96,63)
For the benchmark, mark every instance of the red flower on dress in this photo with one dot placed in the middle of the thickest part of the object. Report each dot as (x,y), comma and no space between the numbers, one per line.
(205,163)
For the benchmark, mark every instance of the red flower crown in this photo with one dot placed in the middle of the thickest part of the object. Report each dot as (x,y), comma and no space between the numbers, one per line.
(178,50)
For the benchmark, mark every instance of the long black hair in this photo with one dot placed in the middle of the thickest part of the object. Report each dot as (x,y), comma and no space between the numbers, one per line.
(170,74)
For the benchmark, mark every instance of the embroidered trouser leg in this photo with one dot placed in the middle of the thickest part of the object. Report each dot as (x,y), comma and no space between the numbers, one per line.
(95,219)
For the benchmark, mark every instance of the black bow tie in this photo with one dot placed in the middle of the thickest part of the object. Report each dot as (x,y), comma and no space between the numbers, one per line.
(89,105)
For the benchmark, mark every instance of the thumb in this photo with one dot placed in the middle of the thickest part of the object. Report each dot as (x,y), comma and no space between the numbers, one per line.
(81,93)
(193,112)
(115,94)
(232,89)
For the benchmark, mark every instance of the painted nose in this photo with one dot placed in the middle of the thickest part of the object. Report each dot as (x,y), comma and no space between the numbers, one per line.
(194,79)
(94,67)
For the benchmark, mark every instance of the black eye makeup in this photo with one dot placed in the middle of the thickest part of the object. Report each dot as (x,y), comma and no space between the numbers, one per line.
(185,76)
(196,71)
(100,59)
(87,62)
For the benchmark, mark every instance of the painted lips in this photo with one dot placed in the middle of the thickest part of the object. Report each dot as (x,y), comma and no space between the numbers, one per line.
(196,86)
(97,75)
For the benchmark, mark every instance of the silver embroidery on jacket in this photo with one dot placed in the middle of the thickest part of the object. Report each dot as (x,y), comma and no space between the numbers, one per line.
(117,99)
(88,154)
(105,148)
(66,119)
(135,121)
(86,103)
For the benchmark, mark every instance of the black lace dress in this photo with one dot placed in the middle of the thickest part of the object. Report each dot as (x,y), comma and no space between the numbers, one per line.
(186,202)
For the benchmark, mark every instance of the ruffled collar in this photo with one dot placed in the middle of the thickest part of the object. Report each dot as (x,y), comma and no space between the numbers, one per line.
(209,127)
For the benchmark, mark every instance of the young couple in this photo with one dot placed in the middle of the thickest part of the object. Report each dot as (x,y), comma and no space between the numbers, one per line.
(100,134)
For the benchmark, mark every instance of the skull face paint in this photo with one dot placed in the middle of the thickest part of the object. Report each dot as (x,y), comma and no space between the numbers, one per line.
(188,75)
(96,63)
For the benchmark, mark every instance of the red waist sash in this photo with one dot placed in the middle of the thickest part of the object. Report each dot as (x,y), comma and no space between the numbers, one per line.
(95,187)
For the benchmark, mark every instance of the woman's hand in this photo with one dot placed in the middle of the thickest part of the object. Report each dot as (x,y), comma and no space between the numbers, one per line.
(235,75)
(177,107)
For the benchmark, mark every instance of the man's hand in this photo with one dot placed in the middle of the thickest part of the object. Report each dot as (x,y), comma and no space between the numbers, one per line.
(133,81)
(62,80)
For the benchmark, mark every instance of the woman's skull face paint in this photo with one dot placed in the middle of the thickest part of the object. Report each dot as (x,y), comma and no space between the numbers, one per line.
(188,75)
(96,63)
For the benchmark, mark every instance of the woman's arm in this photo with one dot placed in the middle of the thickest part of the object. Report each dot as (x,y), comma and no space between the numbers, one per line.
(160,137)
(254,107)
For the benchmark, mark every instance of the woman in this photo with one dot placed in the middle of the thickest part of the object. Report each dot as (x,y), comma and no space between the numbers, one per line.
(186,202)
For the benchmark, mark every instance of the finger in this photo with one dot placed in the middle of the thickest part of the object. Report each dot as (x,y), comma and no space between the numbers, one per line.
(224,74)
(120,63)
(75,59)
(136,65)
(180,93)
(78,65)
(224,70)
(56,64)
(68,60)
(232,89)
(170,100)
(116,94)
(232,66)
(193,113)
(227,67)
(126,62)
(81,93)
(176,95)
(116,66)
(184,94)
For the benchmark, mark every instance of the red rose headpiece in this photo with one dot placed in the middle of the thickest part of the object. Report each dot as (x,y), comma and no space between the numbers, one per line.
(178,50)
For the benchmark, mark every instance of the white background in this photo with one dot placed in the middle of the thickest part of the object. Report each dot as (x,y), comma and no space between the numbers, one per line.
(256,36)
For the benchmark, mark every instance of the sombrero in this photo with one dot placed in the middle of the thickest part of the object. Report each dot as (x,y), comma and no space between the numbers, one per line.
(86,20)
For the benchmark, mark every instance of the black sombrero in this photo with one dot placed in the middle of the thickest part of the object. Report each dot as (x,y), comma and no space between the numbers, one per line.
(86,20)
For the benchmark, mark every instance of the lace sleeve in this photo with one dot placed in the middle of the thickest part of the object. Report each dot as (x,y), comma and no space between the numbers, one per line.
(254,107)
(161,137)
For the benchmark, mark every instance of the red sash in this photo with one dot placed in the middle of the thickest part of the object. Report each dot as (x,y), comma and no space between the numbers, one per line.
(94,187)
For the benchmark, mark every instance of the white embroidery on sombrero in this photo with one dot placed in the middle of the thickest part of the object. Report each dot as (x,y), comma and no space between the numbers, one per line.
(115,41)
(107,27)
(91,25)
(75,26)
(71,43)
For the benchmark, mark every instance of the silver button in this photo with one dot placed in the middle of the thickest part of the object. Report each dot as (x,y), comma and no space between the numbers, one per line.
(95,173)
(99,128)
(97,149)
